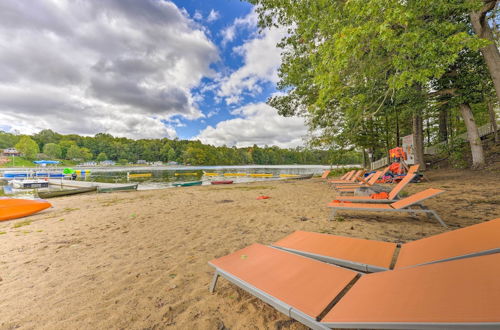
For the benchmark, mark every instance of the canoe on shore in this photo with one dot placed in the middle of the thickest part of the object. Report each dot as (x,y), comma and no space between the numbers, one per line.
(187,184)
(67,192)
(289,175)
(13,208)
(117,188)
(210,174)
(139,175)
(261,175)
(222,182)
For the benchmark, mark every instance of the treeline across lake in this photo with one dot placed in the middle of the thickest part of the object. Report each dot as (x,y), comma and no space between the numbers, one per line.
(52,145)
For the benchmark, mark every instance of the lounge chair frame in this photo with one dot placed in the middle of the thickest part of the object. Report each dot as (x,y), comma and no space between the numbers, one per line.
(424,209)
(268,299)
(407,209)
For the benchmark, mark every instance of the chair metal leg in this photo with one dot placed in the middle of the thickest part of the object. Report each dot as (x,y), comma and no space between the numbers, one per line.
(214,282)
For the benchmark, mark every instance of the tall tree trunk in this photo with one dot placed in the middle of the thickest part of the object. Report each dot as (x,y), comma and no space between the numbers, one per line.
(493,121)
(418,140)
(490,53)
(476,146)
(397,129)
(443,125)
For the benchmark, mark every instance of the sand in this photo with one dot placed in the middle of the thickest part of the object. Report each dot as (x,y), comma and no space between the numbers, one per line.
(138,260)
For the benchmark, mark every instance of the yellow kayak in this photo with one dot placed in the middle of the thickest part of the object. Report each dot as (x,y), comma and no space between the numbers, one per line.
(210,174)
(261,175)
(288,175)
(190,173)
(235,174)
(140,175)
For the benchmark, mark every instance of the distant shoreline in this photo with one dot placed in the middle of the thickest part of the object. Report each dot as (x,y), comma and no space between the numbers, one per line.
(173,167)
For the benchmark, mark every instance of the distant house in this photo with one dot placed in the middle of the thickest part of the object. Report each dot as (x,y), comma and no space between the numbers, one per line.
(158,163)
(172,163)
(107,163)
(141,161)
(11,152)
(89,164)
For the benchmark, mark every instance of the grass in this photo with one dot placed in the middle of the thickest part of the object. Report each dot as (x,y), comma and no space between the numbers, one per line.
(22,224)
(3,232)
(23,162)
(69,209)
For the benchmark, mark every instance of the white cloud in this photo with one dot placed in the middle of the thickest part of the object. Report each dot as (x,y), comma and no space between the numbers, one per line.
(117,66)
(213,16)
(258,124)
(197,15)
(248,22)
(261,60)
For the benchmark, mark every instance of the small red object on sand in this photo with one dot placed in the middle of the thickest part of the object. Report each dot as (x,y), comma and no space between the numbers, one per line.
(337,201)
(263,197)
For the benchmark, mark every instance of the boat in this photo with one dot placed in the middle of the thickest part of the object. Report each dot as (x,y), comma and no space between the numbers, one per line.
(289,175)
(186,173)
(235,174)
(67,192)
(210,174)
(30,184)
(261,175)
(13,208)
(303,177)
(222,182)
(117,188)
(139,175)
(187,184)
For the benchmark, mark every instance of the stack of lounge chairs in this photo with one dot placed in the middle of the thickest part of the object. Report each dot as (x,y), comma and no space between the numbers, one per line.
(451,280)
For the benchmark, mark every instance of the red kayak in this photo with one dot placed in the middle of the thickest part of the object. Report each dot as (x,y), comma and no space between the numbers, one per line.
(222,182)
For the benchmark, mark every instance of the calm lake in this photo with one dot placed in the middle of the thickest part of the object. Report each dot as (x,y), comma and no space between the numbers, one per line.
(160,177)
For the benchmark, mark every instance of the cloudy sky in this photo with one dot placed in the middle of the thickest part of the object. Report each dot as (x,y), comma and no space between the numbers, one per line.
(142,69)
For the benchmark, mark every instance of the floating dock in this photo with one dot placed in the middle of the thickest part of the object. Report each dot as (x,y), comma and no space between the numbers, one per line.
(101,186)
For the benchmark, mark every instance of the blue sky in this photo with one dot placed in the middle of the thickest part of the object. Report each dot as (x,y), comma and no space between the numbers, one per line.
(189,69)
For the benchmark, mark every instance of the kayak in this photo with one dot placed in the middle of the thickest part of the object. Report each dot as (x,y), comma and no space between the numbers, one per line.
(58,193)
(13,208)
(187,184)
(139,175)
(190,173)
(261,175)
(288,175)
(222,182)
(210,174)
(235,174)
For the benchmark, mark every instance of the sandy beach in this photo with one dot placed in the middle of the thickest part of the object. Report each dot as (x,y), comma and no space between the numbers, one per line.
(138,260)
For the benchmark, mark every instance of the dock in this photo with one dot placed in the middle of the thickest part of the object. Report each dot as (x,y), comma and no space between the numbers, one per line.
(101,186)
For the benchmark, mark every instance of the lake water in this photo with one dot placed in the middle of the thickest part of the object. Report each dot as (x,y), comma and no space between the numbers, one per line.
(163,176)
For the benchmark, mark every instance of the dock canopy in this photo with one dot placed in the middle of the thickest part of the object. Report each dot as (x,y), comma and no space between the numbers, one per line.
(46,162)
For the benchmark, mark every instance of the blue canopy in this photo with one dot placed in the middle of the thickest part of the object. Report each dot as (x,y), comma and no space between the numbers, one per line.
(42,162)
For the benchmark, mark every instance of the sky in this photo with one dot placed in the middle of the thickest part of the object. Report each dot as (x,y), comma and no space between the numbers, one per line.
(187,69)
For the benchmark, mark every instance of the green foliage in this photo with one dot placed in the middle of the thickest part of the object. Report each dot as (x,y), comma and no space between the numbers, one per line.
(104,146)
(52,150)
(359,69)
(28,147)
(101,157)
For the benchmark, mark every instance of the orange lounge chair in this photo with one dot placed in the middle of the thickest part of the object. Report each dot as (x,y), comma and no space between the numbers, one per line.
(460,293)
(326,173)
(346,177)
(392,196)
(402,205)
(374,256)
(366,182)
(352,180)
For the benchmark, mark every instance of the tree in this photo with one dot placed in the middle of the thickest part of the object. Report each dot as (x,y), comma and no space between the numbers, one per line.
(491,54)
(28,147)
(102,157)
(347,65)
(74,152)
(86,154)
(52,150)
